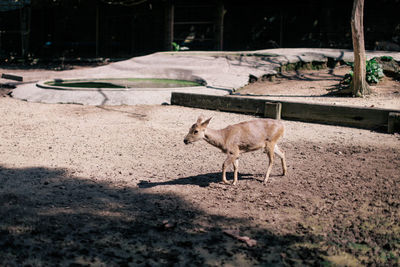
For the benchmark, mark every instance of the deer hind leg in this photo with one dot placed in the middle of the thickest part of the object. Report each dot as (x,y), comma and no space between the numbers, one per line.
(281,154)
(269,149)
(235,171)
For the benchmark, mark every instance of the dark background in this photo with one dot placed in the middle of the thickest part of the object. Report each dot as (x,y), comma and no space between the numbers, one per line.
(50,29)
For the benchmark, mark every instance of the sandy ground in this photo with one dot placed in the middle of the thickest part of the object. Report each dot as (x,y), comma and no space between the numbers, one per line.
(116,186)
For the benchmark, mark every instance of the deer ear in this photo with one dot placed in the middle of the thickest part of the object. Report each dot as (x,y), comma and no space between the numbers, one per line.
(205,124)
(200,119)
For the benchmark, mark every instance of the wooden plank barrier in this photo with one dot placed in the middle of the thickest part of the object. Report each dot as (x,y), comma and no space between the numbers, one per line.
(366,118)
(273,110)
(12,77)
(394,122)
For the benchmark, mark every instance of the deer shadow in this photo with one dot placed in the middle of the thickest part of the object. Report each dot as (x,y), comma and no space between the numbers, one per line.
(201,180)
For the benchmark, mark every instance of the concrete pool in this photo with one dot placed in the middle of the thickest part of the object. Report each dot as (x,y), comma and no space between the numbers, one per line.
(118,84)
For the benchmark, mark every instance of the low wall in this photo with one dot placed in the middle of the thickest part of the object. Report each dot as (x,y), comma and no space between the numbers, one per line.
(366,118)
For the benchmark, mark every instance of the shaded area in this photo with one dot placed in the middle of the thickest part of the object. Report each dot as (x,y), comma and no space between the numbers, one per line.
(52,218)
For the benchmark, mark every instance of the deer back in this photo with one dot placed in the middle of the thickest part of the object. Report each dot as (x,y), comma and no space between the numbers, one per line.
(252,135)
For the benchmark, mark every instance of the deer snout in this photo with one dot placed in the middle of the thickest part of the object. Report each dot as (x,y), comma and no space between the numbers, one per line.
(186,141)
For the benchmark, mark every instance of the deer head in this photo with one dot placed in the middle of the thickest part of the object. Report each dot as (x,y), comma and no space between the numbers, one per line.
(197,131)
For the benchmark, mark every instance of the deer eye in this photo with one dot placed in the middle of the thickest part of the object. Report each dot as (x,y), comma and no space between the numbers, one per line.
(196,132)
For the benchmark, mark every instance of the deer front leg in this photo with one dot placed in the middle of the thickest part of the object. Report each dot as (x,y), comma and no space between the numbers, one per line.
(229,160)
(225,165)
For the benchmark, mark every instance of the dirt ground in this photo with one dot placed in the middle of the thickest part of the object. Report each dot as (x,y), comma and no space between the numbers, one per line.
(116,186)
(317,86)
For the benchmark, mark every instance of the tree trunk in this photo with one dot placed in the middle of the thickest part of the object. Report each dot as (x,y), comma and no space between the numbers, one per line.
(169,25)
(25,19)
(219,25)
(359,85)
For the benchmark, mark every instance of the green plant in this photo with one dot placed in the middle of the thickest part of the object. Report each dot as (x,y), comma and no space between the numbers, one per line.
(374,72)
(386,58)
(175,46)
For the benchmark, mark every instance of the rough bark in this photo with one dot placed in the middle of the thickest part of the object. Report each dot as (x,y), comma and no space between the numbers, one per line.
(25,19)
(169,25)
(359,85)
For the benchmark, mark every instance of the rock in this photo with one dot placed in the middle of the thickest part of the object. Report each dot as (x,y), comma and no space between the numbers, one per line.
(386,46)
(390,67)
(235,234)
(166,224)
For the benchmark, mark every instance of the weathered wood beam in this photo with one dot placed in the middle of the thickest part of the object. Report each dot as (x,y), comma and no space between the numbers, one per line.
(366,118)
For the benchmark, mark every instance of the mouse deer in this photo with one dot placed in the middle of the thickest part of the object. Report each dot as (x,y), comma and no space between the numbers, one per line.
(240,138)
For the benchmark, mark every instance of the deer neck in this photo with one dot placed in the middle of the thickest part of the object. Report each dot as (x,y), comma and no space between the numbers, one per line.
(215,138)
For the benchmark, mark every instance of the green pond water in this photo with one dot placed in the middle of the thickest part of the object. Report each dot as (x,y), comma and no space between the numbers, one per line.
(122,83)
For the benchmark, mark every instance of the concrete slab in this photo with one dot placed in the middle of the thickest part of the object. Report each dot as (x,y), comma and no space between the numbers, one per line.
(31,92)
(223,72)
